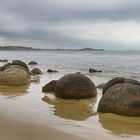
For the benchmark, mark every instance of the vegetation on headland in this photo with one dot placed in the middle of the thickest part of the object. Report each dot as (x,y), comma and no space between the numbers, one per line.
(30,48)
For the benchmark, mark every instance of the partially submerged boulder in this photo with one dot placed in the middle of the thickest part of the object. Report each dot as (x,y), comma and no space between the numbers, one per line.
(113,82)
(50,87)
(118,80)
(36,71)
(122,99)
(32,63)
(14,74)
(21,63)
(74,86)
(2,68)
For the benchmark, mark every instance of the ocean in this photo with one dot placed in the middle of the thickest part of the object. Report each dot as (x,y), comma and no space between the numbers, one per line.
(112,63)
(75,117)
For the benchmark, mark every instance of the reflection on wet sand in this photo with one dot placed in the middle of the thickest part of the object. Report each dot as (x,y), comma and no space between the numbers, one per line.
(13,91)
(78,110)
(120,125)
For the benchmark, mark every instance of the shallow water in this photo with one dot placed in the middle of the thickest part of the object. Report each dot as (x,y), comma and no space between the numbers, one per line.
(77,117)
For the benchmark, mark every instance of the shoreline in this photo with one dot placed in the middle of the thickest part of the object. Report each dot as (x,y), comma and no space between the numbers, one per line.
(12,129)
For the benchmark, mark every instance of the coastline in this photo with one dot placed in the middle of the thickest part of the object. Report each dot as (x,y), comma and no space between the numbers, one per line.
(25,115)
(12,129)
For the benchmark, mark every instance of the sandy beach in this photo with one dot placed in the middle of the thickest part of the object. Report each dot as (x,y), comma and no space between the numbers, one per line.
(27,113)
(15,130)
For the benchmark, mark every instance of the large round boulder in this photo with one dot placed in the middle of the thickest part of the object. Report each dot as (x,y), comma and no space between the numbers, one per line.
(118,80)
(50,87)
(75,86)
(14,75)
(113,82)
(122,99)
(22,64)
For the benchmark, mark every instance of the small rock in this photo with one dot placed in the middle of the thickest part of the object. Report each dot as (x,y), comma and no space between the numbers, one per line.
(33,63)
(36,71)
(94,70)
(50,70)
(4,60)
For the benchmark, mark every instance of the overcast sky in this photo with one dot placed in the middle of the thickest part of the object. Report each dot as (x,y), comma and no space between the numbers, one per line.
(108,24)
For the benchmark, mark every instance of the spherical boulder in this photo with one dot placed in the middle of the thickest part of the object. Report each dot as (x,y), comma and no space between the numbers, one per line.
(22,64)
(75,86)
(14,75)
(118,80)
(50,87)
(2,68)
(36,71)
(113,82)
(122,99)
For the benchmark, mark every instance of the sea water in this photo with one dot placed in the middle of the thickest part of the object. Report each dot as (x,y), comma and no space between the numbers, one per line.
(78,117)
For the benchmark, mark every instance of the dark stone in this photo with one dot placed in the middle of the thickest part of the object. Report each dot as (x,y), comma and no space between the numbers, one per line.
(113,82)
(4,60)
(50,70)
(132,81)
(50,87)
(75,86)
(118,80)
(36,71)
(33,63)
(122,99)
(94,70)
(78,72)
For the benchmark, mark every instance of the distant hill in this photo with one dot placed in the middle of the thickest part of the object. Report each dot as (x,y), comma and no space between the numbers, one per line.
(83,49)
(90,49)
(30,48)
(16,48)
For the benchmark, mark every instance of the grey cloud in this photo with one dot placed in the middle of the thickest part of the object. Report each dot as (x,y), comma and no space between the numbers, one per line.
(22,19)
(63,10)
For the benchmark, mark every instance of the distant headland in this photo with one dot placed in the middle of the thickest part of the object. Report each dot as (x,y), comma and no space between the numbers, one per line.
(30,49)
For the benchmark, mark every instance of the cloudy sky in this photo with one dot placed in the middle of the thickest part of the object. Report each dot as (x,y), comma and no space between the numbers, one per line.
(108,24)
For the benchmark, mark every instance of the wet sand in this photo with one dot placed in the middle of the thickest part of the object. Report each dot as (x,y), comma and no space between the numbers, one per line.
(11,129)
